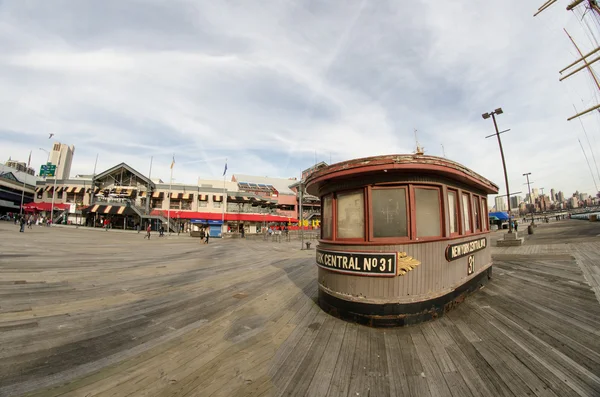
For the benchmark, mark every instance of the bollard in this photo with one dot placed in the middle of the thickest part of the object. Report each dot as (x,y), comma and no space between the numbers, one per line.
(308,245)
(530,229)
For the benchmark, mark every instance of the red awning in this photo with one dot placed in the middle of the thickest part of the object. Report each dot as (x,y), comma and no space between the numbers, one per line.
(189,214)
(44,206)
(228,216)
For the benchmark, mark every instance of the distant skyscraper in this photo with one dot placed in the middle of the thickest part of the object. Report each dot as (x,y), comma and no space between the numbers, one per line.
(552,195)
(535,193)
(501,204)
(64,153)
(574,202)
(515,201)
(560,196)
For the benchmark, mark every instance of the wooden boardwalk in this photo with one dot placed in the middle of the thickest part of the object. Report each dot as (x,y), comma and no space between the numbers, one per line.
(87,313)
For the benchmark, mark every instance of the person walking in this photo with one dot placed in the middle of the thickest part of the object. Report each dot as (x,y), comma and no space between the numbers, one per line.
(22,223)
(207,234)
(516,225)
(148,229)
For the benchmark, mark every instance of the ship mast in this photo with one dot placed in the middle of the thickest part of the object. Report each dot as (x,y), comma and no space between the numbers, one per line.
(593,6)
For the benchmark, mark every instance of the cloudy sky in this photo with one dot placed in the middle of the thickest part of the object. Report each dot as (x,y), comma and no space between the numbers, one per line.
(272,85)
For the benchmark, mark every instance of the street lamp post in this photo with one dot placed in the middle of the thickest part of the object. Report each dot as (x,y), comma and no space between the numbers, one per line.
(48,153)
(530,197)
(487,116)
(54,195)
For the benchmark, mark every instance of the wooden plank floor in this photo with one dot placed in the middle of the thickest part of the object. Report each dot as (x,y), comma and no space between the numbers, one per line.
(89,313)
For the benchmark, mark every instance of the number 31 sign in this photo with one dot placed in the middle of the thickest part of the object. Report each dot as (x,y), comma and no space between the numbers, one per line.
(471,265)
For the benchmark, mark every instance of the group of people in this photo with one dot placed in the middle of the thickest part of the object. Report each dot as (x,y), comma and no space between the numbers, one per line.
(204,233)
(30,220)
(515,224)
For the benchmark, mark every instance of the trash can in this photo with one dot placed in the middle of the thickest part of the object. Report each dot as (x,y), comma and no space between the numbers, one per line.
(530,229)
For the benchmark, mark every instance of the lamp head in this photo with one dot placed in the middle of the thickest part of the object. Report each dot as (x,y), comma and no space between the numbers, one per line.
(485,116)
(498,111)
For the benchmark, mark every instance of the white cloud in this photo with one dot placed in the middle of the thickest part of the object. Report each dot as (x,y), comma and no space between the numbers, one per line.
(267,85)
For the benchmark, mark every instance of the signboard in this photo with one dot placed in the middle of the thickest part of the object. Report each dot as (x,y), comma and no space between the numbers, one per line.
(48,169)
(206,221)
(382,264)
(456,251)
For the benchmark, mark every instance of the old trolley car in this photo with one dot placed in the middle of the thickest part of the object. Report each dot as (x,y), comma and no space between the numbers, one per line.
(403,238)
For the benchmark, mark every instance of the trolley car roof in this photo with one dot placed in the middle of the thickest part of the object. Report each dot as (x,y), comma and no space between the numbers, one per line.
(400,163)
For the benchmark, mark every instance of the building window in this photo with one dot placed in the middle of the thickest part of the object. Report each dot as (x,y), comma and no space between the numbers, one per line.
(75,197)
(204,204)
(327,216)
(476,213)
(174,204)
(216,204)
(156,203)
(428,212)
(350,215)
(484,212)
(453,212)
(389,213)
(466,214)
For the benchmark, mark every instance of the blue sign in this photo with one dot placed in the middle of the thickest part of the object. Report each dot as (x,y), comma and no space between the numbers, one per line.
(206,222)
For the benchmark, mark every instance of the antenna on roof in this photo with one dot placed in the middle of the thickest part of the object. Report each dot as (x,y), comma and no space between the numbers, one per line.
(420,150)
(443,151)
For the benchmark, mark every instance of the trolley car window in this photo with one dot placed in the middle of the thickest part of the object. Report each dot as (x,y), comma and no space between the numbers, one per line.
(476,213)
(427,202)
(453,211)
(327,218)
(389,212)
(350,215)
(484,211)
(466,213)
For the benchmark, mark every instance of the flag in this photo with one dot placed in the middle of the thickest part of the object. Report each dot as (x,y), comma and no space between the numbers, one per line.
(29,161)
(173,162)
(225,170)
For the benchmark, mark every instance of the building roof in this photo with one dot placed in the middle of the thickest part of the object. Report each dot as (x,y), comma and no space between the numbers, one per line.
(128,168)
(20,175)
(280,184)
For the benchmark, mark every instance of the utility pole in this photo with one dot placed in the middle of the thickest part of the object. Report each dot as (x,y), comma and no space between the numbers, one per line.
(530,197)
(497,134)
(148,190)
(54,194)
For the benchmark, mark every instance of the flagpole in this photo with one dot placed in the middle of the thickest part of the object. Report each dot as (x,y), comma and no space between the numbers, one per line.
(224,198)
(94,184)
(23,190)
